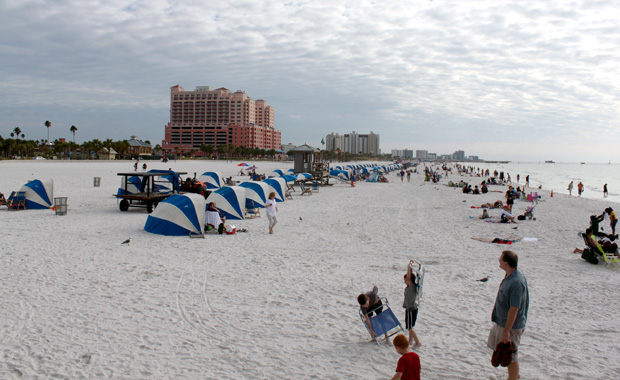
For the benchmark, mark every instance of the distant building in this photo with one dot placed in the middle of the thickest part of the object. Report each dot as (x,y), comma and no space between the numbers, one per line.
(107,154)
(421,154)
(218,117)
(431,156)
(405,154)
(287,147)
(353,143)
(139,147)
(459,155)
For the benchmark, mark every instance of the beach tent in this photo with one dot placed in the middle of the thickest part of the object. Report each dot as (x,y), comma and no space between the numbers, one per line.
(39,194)
(276,173)
(277,185)
(212,179)
(289,178)
(303,176)
(256,194)
(134,186)
(230,201)
(169,182)
(178,215)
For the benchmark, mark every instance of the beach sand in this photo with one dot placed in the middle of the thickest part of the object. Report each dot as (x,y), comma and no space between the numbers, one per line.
(76,304)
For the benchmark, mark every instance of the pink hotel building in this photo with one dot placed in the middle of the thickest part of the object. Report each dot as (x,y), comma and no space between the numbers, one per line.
(218,117)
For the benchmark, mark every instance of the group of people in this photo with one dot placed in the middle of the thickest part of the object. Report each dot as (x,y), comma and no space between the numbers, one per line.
(509,318)
(580,189)
(214,220)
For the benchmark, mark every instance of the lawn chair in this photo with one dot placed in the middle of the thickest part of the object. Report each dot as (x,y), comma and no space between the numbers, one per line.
(252,212)
(17,200)
(304,190)
(290,188)
(288,195)
(383,324)
(315,186)
(608,258)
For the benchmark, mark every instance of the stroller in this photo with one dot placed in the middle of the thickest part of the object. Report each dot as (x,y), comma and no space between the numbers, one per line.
(529,212)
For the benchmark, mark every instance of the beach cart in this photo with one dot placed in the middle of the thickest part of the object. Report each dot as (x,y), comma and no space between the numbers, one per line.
(384,323)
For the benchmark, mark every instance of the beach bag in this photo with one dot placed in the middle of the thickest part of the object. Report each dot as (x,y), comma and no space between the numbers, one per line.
(588,256)
(521,217)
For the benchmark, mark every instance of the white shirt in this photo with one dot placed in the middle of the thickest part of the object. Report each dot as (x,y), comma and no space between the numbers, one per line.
(270,205)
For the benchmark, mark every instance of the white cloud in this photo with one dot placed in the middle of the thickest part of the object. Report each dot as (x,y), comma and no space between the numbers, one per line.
(416,72)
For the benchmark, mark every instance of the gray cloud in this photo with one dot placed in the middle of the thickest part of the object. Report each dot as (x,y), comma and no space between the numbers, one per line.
(441,73)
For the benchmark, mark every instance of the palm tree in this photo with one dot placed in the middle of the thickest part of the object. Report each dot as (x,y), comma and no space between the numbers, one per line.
(73,129)
(48,124)
(17,132)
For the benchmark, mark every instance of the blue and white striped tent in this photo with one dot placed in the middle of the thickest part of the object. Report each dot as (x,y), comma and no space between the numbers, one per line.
(39,194)
(212,179)
(134,186)
(178,215)
(256,193)
(276,173)
(230,201)
(277,185)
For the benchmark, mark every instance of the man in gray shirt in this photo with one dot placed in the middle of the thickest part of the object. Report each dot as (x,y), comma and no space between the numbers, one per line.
(510,311)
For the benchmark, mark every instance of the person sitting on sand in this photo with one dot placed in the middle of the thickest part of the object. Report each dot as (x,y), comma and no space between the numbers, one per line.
(506,217)
(485,214)
(213,218)
(476,191)
(2,199)
(592,244)
(484,189)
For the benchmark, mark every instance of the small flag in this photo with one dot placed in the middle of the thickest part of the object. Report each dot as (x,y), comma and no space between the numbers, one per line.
(322,141)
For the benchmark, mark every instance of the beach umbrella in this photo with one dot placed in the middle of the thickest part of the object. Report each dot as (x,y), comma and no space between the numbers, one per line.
(276,173)
(230,201)
(39,194)
(243,164)
(251,168)
(303,176)
(212,179)
(178,215)
(256,193)
(277,185)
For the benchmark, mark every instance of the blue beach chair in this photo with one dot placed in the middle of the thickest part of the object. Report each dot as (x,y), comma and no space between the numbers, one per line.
(17,200)
(383,324)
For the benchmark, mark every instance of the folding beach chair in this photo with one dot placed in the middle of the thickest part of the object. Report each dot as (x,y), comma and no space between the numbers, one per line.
(315,186)
(17,200)
(383,324)
(608,258)
(304,189)
(252,212)
(288,195)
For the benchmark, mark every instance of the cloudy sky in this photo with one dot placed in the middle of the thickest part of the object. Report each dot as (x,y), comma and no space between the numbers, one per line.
(518,80)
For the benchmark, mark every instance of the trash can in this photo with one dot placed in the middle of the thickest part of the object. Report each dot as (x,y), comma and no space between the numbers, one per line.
(96,181)
(60,205)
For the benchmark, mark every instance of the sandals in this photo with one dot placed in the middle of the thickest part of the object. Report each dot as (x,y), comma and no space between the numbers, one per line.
(502,354)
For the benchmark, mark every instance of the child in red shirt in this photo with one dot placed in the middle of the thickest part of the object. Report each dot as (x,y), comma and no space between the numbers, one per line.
(408,367)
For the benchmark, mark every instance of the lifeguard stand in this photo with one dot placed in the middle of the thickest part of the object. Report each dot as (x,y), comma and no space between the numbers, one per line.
(304,158)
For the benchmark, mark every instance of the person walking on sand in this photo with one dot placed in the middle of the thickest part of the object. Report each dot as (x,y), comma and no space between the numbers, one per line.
(410,305)
(580,188)
(272,211)
(605,193)
(570,188)
(509,314)
(408,367)
(527,181)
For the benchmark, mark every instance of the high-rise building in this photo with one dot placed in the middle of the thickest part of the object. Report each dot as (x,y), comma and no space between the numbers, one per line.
(421,154)
(353,143)
(218,117)
(459,155)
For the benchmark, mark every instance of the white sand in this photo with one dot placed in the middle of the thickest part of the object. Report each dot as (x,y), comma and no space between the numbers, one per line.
(76,304)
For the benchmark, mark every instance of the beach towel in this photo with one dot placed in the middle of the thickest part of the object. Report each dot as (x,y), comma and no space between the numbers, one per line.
(509,240)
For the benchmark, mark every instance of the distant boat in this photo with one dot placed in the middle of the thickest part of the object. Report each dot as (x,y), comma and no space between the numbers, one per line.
(549,162)
(583,163)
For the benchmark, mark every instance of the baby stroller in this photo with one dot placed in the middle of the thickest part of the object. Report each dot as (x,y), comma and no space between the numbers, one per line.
(529,212)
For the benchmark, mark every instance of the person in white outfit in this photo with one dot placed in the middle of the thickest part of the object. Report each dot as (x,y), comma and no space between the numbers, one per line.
(272,210)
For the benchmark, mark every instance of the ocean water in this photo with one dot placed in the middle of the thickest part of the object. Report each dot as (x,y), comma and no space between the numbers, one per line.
(557,176)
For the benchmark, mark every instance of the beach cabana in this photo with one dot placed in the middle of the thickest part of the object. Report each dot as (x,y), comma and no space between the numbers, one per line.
(276,173)
(303,176)
(39,194)
(212,179)
(277,185)
(178,215)
(256,194)
(134,186)
(230,201)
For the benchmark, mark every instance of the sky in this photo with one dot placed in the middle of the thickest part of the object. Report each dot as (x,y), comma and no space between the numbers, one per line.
(503,80)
